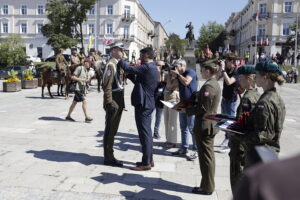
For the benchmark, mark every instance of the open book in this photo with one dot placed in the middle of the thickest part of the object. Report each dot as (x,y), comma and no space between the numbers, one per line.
(229,126)
(178,106)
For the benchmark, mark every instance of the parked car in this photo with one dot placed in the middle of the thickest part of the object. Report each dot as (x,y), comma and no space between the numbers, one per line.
(19,69)
(52,58)
(33,59)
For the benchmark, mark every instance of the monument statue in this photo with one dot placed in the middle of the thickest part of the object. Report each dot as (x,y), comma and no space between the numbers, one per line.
(190,34)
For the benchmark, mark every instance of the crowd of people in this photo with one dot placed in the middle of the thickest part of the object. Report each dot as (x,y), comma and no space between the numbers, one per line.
(260,116)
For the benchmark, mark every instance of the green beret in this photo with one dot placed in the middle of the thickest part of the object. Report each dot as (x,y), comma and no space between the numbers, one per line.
(246,70)
(268,67)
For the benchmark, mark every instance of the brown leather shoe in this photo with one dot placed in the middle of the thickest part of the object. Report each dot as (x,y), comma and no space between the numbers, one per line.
(141,168)
(141,164)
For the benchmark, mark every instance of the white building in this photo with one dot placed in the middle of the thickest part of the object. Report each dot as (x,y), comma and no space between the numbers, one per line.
(275,19)
(108,21)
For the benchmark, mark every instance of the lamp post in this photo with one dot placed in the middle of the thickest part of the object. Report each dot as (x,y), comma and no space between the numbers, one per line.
(296,37)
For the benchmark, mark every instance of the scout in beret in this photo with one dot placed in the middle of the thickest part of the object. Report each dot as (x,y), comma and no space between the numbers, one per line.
(268,67)
(247,104)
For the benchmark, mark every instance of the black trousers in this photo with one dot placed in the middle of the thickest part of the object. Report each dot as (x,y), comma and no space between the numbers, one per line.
(143,123)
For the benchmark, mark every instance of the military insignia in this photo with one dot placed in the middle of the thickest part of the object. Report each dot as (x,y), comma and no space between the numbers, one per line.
(108,73)
(261,106)
(206,93)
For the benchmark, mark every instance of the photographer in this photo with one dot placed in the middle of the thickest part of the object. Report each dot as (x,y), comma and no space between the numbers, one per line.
(228,71)
(188,84)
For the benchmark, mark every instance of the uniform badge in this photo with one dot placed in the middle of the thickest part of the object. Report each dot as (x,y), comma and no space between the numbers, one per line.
(206,93)
(261,106)
(108,73)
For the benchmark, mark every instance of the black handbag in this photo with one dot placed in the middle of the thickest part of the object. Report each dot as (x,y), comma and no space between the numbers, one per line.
(72,86)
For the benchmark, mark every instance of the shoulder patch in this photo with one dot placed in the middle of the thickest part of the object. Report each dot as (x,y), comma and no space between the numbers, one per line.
(108,72)
(206,93)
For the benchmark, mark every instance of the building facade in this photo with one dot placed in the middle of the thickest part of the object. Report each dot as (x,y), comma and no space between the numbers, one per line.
(108,21)
(269,19)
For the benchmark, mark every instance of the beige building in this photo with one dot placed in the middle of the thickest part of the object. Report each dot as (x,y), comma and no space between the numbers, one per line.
(108,21)
(273,27)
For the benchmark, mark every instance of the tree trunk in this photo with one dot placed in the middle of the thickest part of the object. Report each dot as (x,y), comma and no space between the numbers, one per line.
(81,36)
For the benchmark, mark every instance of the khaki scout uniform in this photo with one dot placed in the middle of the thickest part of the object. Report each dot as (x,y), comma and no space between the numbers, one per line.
(237,150)
(61,63)
(113,105)
(267,121)
(208,99)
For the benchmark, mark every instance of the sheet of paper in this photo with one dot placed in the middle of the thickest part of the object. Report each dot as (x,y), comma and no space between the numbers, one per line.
(168,104)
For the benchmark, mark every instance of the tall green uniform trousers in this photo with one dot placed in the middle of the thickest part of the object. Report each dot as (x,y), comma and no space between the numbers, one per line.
(208,99)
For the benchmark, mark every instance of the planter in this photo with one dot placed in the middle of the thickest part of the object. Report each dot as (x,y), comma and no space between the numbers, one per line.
(12,86)
(29,84)
(40,82)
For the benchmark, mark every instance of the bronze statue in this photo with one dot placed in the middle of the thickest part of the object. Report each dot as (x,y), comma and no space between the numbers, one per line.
(190,34)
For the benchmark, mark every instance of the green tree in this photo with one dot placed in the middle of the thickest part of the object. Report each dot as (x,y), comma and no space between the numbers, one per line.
(176,44)
(12,51)
(212,34)
(291,39)
(66,18)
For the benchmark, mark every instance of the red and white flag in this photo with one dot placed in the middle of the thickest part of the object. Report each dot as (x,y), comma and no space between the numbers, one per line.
(257,16)
(267,42)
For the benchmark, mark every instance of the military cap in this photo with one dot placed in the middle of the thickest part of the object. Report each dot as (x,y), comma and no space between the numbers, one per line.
(119,45)
(268,67)
(246,70)
(210,64)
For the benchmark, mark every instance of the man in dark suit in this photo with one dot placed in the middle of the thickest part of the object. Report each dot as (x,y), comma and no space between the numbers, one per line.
(145,78)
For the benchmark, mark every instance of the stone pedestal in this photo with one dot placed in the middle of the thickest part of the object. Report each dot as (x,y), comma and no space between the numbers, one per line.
(12,86)
(190,57)
(29,84)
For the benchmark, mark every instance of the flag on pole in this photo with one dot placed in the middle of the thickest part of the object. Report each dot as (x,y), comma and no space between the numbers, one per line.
(261,41)
(257,16)
(267,42)
(91,40)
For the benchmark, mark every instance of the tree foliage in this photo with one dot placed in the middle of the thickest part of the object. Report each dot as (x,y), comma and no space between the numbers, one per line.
(212,34)
(66,19)
(12,51)
(176,44)
(291,39)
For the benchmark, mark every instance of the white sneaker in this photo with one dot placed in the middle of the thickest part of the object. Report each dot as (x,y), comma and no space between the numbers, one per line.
(224,143)
(223,150)
(192,156)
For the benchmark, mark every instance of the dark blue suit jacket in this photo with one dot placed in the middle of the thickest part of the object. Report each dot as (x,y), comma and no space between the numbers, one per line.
(145,80)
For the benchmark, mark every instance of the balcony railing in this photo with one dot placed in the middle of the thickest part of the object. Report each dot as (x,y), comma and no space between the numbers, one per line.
(128,17)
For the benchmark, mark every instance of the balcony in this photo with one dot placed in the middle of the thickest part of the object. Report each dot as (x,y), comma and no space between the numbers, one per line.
(128,18)
(260,37)
(262,16)
(126,38)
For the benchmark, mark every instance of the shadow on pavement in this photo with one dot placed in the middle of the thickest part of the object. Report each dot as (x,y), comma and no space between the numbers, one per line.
(62,156)
(150,184)
(130,141)
(51,119)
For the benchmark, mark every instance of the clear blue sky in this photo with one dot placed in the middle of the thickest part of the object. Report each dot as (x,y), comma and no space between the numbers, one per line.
(199,12)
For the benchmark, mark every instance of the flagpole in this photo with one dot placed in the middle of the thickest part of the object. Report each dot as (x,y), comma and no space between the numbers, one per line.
(296,37)
(256,30)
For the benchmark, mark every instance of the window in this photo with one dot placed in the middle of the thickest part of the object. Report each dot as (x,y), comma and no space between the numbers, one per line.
(261,30)
(286,29)
(110,10)
(127,11)
(5,10)
(263,8)
(24,10)
(23,28)
(109,28)
(126,32)
(288,7)
(92,11)
(39,28)
(5,28)
(91,29)
(40,9)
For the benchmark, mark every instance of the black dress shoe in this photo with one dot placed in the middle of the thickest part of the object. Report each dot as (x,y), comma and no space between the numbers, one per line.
(198,190)
(138,164)
(114,163)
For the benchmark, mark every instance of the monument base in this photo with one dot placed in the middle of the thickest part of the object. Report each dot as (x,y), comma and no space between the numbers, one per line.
(190,57)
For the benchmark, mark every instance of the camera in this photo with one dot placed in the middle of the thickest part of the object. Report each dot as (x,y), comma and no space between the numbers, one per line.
(169,67)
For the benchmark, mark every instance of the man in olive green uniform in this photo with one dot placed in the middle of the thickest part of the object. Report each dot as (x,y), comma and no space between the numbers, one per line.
(61,62)
(75,61)
(81,55)
(247,104)
(208,99)
(113,103)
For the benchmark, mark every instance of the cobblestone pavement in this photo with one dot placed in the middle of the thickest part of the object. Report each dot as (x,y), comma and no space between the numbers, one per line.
(44,157)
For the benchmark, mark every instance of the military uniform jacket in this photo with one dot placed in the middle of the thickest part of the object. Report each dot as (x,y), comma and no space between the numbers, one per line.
(61,62)
(112,83)
(267,121)
(248,101)
(208,99)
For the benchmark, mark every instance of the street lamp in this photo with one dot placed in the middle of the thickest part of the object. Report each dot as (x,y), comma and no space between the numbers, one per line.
(296,37)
